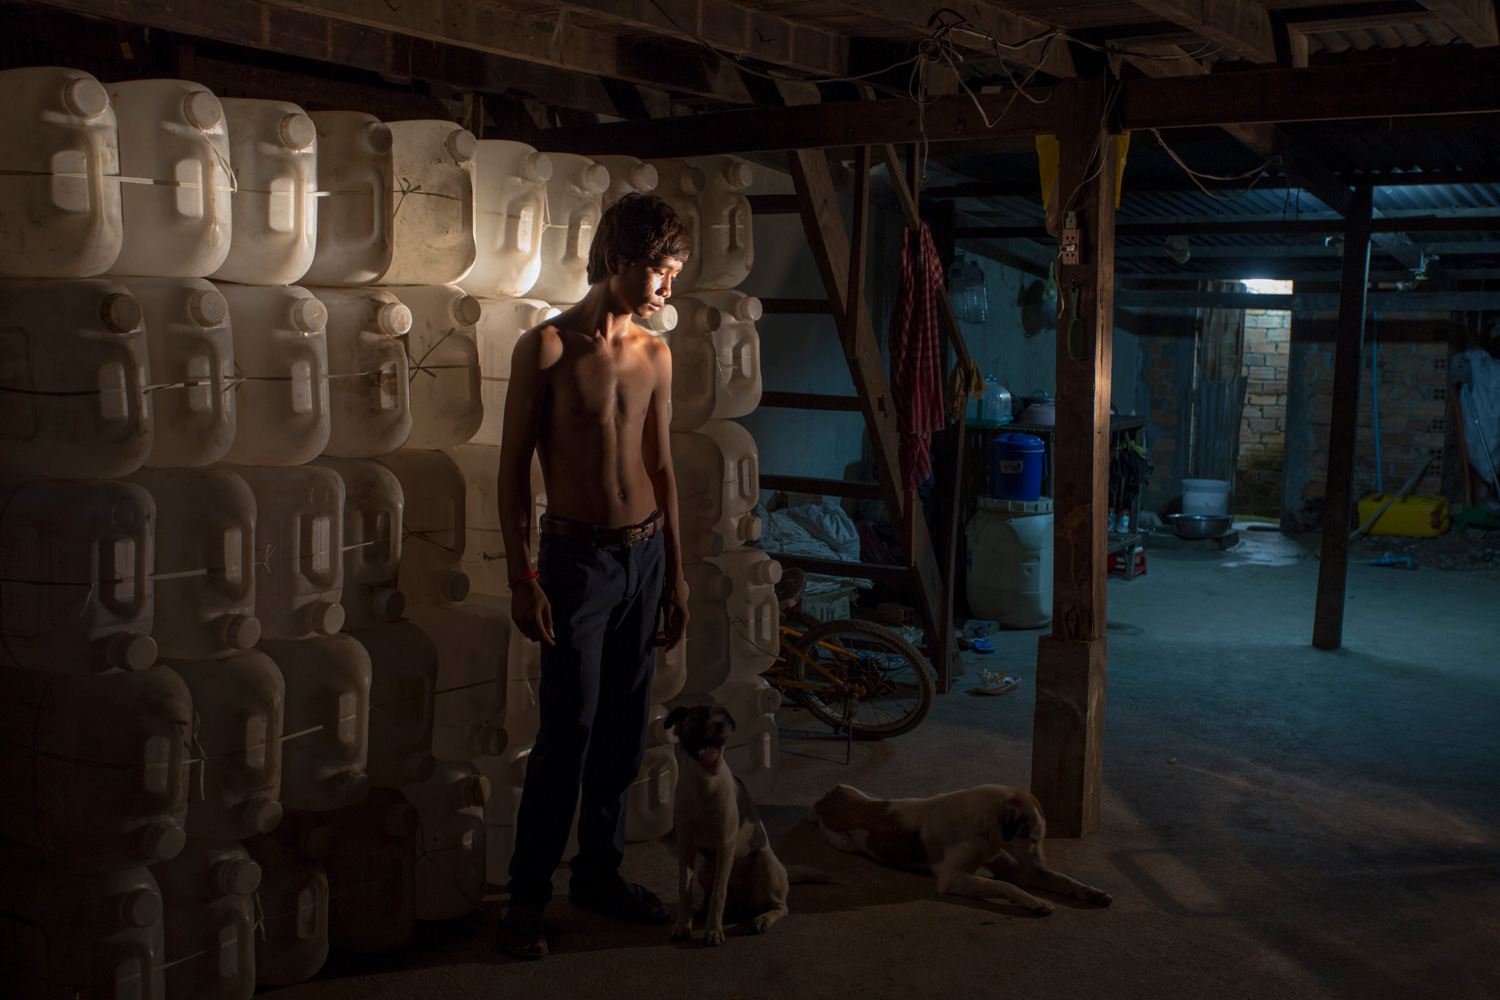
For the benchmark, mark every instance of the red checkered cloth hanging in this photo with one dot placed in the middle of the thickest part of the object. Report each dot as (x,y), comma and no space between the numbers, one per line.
(916,361)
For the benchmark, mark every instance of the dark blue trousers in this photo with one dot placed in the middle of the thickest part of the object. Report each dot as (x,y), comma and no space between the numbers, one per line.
(595,698)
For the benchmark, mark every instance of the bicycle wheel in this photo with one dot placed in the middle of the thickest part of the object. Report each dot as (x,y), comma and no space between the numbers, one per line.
(897,683)
(795,618)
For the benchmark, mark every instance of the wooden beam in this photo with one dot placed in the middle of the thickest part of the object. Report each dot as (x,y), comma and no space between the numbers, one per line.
(1471,20)
(839,567)
(774,204)
(1241,26)
(854,289)
(1229,226)
(1333,563)
(1068,729)
(311,93)
(983,21)
(1304,303)
(810,401)
(824,487)
(796,307)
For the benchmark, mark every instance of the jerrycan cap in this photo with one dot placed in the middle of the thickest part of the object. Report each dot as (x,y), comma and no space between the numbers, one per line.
(419,767)
(664,320)
(711,319)
(208,308)
(748,309)
(691,180)
(711,542)
(461,145)
(767,572)
(86,98)
(739,175)
(241,631)
(261,815)
(237,876)
(750,529)
(309,315)
(595,179)
(467,310)
(542,314)
(476,790)
(324,617)
(297,131)
(131,651)
(140,908)
(388,604)
(455,586)
(393,319)
(120,312)
(644,178)
(537,167)
(202,110)
(378,137)
(163,841)
(351,787)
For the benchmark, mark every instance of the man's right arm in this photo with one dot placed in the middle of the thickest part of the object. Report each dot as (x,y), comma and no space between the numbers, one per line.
(525,403)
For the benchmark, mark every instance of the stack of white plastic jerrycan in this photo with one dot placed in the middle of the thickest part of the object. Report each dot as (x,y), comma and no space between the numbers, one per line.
(574,203)
(451,867)
(356,182)
(368,376)
(726,246)
(510,215)
(292,940)
(627,175)
(273,149)
(715,358)
(209,921)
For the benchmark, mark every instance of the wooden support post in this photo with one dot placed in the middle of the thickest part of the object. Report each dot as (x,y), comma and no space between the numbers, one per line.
(854,291)
(1333,565)
(1067,752)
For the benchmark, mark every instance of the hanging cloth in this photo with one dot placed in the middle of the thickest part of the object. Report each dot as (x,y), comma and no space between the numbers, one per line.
(916,363)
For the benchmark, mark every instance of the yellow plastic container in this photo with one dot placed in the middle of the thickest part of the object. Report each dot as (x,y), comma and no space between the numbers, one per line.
(1415,516)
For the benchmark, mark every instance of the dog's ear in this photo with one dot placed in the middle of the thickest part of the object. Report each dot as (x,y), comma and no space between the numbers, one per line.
(1016,822)
(726,721)
(674,719)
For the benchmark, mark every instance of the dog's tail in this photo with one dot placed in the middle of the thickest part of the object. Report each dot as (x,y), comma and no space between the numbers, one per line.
(803,875)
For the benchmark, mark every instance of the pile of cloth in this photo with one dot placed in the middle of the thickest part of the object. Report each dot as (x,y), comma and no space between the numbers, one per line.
(817,530)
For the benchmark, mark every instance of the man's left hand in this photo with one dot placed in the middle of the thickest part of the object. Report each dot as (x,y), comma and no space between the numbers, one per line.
(674,614)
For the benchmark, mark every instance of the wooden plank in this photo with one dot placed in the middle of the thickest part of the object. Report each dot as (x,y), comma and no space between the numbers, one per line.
(840,567)
(1472,20)
(312,93)
(809,401)
(795,307)
(854,288)
(1333,563)
(1240,26)
(825,487)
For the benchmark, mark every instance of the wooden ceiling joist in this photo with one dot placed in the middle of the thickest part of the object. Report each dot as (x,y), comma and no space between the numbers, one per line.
(1241,27)
(1471,20)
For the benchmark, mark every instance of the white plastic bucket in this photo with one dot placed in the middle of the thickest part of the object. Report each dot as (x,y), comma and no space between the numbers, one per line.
(356,193)
(574,203)
(510,210)
(1206,496)
(432,210)
(273,146)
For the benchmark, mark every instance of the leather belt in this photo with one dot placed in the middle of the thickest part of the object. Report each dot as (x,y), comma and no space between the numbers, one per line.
(631,534)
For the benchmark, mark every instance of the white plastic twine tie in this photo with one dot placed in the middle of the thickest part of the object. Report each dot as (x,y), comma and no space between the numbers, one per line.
(418,366)
(305,732)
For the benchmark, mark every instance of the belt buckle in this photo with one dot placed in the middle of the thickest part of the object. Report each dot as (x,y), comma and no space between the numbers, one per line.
(635,535)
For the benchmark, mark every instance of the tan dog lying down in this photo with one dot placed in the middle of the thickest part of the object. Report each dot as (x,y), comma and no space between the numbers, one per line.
(953,836)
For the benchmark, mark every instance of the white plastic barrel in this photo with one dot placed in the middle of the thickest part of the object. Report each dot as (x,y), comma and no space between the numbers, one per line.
(432,547)
(74,366)
(680,184)
(293,941)
(236,779)
(299,564)
(325,724)
(191,349)
(718,485)
(281,357)
(273,146)
(447,405)
(369,402)
(648,802)
(92,932)
(627,175)
(473,643)
(501,323)
(209,921)
(403,672)
(1206,496)
(205,562)
(736,344)
(174,157)
(95,768)
(574,204)
(1010,562)
(432,209)
(372,874)
(510,211)
(356,193)
(450,877)
(59,193)
(726,250)
(484,560)
(76,561)
(373,507)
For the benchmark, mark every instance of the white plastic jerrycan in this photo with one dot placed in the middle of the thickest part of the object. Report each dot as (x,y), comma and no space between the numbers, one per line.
(209,921)
(403,672)
(281,358)
(680,184)
(507,775)
(736,348)
(59,166)
(238,704)
(432,544)
(432,209)
(74,367)
(369,401)
(718,485)
(695,364)
(473,643)
(76,560)
(76,930)
(326,720)
(293,941)
(727,250)
(648,803)
(627,175)
(501,323)
(671,672)
(205,562)
(510,211)
(356,192)
(373,507)
(451,863)
(273,146)
(299,563)
(574,204)
(484,560)
(193,398)
(708,629)
(447,405)
(372,886)
(178,184)
(96,767)
(752,608)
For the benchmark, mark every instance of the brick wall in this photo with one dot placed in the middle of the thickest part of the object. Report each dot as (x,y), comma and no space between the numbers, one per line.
(1257,480)
(1166,385)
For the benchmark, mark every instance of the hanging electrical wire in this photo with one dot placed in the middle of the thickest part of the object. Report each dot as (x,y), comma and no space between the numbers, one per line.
(1197,176)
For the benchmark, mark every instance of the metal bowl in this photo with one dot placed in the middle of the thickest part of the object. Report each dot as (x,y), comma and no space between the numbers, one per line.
(1192,526)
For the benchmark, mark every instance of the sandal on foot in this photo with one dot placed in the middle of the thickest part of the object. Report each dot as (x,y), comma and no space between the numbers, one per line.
(621,899)
(520,934)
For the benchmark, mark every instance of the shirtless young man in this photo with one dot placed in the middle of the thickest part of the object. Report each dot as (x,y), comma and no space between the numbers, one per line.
(589,391)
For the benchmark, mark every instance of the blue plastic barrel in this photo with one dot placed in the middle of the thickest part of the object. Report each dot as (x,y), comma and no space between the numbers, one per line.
(1016,462)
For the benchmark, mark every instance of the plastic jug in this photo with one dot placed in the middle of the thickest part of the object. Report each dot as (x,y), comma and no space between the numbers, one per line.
(273,146)
(681,183)
(753,609)
(484,560)
(209,921)
(451,863)
(76,561)
(473,642)
(372,874)
(708,628)
(177,185)
(58,193)
(718,485)
(95,767)
(403,672)
(648,803)
(325,723)
(695,364)
(737,350)
(510,211)
(432,211)
(432,546)
(356,185)
(574,203)
(500,325)
(205,562)
(369,402)
(281,352)
(1017,462)
(75,931)
(507,775)
(299,568)
(74,365)
(373,507)
(447,405)
(1009,562)
(627,175)
(293,941)
(726,251)
(237,712)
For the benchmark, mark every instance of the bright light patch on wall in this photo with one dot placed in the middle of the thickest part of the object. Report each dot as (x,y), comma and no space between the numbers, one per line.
(1267,286)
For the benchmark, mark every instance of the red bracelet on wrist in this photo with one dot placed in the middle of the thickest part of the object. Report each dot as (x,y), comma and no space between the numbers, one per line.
(525,577)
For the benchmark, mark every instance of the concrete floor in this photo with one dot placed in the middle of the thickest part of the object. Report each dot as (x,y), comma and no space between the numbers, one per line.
(1278,822)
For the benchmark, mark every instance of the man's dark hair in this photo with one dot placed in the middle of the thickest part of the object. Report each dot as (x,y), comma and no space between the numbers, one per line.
(637,227)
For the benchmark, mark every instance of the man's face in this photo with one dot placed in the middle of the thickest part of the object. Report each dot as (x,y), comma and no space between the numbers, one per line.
(644,286)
